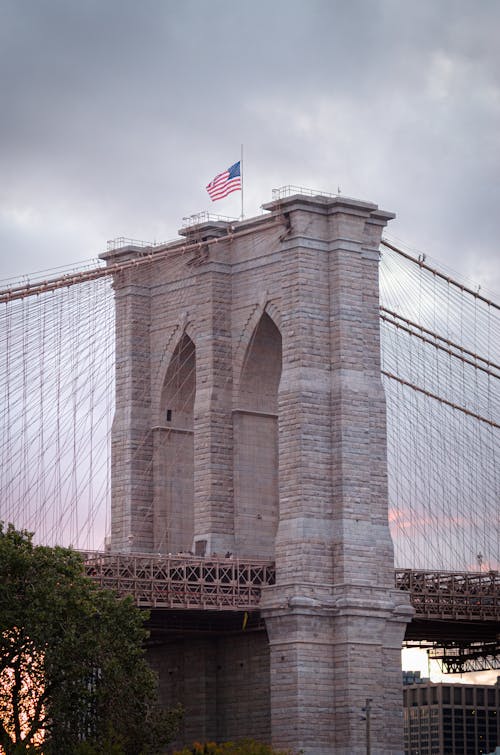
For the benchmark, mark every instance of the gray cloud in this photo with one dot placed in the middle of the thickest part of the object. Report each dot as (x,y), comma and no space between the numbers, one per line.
(116,114)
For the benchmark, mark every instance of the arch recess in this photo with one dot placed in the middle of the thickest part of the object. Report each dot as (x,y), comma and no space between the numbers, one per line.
(176,336)
(265,307)
(173,457)
(255,432)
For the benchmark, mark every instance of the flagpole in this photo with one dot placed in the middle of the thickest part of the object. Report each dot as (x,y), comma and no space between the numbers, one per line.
(241,173)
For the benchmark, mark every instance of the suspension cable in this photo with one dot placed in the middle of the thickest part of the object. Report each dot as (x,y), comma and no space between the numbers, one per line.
(421,263)
(161,252)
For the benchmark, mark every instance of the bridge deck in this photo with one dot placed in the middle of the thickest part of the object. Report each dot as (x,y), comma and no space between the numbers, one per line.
(227,584)
(183,582)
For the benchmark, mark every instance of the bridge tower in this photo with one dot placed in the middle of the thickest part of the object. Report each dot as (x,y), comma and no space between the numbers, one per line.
(250,419)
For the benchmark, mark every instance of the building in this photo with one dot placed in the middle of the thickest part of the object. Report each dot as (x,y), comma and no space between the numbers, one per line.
(451,719)
(414,677)
(250,419)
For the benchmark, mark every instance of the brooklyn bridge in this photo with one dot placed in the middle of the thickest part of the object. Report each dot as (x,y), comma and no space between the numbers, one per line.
(281,436)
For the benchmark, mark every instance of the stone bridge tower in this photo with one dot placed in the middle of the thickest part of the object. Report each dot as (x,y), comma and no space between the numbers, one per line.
(250,418)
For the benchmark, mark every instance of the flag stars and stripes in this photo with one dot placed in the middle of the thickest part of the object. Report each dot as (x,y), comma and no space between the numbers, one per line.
(225,183)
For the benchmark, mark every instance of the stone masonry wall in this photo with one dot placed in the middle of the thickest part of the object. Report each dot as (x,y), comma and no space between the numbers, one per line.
(289,462)
(222,683)
(132,452)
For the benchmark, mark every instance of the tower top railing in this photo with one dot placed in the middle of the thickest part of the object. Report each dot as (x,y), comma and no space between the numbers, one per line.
(198,218)
(121,241)
(291,190)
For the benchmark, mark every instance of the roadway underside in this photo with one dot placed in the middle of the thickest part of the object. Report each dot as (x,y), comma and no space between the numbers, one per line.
(445,631)
(166,625)
(459,645)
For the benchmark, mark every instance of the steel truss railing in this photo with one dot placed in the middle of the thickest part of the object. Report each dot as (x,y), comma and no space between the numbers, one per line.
(182,582)
(457,658)
(454,596)
(188,582)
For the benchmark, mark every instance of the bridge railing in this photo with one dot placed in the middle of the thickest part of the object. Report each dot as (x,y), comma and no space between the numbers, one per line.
(190,582)
(182,581)
(452,595)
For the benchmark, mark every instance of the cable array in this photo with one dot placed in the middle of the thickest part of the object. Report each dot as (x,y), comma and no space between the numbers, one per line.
(56,378)
(441,372)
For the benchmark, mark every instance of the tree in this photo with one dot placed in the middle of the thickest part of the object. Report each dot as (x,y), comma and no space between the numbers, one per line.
(72,669)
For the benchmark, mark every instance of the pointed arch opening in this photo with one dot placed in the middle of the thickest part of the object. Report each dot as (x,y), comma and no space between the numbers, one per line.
(256,443)
(174,453)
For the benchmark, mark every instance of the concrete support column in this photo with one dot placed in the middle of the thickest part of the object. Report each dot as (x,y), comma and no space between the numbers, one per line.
(371,615)
(304,541)
(213,424)
(131,478)
(362,541)
(368,634)
(335,621)
(302,676)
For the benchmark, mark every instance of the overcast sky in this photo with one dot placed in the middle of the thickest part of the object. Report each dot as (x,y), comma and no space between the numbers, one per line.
(116,114)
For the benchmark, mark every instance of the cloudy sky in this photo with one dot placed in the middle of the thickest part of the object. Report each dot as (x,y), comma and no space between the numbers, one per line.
(115,115)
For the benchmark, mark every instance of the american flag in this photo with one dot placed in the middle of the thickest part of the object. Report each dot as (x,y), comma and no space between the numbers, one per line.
(225,183)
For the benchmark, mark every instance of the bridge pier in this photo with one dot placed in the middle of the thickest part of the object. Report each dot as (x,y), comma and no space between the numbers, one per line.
(335,621)
(283,396)
(325,663)
(222,681)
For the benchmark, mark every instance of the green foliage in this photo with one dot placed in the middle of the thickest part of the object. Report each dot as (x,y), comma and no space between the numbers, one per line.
(240,747)
(72,665)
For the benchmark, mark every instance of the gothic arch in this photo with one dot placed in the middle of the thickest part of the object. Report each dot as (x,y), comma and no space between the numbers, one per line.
(261,369)
(242,350)
(255,432)
(177,334)
(173,454)
(179,384)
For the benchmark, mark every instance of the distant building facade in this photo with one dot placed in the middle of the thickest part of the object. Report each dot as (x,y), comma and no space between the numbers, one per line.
(414,677)
(451,719)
